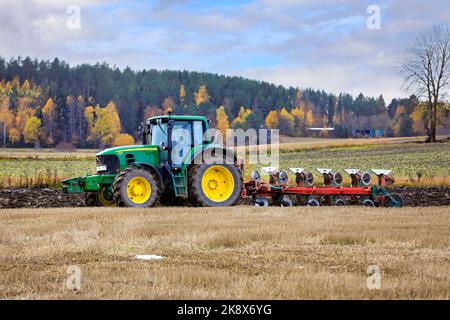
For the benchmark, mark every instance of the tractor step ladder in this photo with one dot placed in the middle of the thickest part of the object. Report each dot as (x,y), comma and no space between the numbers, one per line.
(179,183)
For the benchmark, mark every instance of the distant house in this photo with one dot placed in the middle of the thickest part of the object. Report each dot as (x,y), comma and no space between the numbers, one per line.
(367,133)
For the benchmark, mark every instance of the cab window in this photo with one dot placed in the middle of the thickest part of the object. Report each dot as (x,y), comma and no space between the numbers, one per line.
(158,134)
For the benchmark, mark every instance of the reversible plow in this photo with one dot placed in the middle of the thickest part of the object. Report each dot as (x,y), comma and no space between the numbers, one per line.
(278,190)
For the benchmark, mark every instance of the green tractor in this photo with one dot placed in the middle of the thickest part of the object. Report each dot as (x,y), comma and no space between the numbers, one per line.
(177,159)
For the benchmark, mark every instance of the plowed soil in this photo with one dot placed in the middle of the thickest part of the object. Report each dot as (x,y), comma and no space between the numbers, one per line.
(54,198)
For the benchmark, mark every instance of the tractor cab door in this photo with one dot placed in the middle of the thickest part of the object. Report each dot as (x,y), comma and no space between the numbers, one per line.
(181,141)
(184,135)
(159,137)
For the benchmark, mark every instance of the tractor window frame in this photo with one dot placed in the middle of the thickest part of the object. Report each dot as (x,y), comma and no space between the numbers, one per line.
(164,126)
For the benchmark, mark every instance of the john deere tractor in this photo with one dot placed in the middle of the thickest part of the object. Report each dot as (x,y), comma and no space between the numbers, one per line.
(177,160)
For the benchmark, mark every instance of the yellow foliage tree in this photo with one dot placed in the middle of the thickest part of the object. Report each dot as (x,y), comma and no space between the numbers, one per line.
(419,119)
(89,116)
(107,123)
(299,119)
(271,120)
(32,130)
(24,112)
(26,86)
(48,115)
(201,96)
(182,94)
(123,139)
(285,122)
(222,122)
(14,135)
(6,117)
(241,119)
(309,118)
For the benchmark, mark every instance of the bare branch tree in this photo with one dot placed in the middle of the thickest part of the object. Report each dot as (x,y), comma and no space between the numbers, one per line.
(427,71)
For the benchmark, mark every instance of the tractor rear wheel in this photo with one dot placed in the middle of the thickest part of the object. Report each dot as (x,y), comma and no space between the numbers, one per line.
(214,185)
(135,188)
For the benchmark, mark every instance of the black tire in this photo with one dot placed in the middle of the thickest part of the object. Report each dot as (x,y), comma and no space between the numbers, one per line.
(286,202)
(261,202)
(313,202)
(368,203)
(91,200)
(196,195)
(120,188)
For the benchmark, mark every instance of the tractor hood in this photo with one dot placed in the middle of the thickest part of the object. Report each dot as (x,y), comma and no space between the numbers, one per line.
(130,155)
(128,149)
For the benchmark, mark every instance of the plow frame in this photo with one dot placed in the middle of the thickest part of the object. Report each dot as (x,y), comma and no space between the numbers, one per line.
(378,194)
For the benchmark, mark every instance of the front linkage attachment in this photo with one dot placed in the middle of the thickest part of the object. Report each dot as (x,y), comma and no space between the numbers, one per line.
(361,192)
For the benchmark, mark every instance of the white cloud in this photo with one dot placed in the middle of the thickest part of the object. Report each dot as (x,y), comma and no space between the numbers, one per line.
(310,43)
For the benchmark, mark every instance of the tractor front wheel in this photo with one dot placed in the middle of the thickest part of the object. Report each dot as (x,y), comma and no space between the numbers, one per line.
(135,188)
(215,185)
(102,198)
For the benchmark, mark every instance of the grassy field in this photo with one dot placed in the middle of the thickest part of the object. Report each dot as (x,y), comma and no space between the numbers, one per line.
(244,253)
(407,157)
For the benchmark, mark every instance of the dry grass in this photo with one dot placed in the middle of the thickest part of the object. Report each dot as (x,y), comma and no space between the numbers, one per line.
(237,253)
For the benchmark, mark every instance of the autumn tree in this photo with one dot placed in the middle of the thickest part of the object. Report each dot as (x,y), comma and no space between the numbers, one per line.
(299,120)
(271,120)
(201,96)
(89,113)
(419,119)
(222,122)
(402,122)
(285,122)
(6,117)
(32,131)
(123,139)
(152,111)
(49,120)
(182,94)
(240,122)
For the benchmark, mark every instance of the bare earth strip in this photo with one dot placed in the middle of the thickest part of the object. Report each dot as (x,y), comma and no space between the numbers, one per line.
(236,253)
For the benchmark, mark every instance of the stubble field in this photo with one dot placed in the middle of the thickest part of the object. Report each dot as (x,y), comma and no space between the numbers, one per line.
(244,253)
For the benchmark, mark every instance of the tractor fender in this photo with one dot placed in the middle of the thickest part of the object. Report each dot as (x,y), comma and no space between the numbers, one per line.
(195,158)
(152,170)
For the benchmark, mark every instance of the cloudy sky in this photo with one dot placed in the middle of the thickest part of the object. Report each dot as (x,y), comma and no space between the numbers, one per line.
(322,44)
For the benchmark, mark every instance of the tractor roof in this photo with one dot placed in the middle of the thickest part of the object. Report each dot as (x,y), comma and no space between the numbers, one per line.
(179,117)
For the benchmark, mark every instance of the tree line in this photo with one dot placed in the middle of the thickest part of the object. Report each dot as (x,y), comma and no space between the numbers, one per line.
(50,103)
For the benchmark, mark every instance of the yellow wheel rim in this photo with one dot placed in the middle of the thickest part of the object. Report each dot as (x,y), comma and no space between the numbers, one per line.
(217,183)
(139,190)
(104,200)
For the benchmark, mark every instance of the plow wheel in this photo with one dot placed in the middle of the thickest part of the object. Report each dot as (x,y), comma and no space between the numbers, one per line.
(214,185)
(340,202)
(261,202)
(368,203)
(286,202)
(313,202)
(135,188)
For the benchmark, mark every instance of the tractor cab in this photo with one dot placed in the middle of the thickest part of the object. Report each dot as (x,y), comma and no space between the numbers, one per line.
(175,136)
